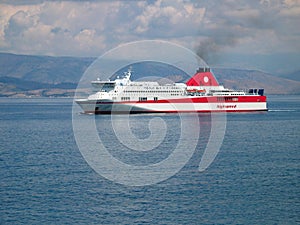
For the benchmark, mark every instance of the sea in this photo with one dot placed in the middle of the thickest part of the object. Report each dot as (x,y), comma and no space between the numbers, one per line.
(46,178)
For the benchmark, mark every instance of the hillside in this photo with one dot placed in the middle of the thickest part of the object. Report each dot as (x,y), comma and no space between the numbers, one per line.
(25,75)
(245,79)
(22,76)
(292,76)
(43,69)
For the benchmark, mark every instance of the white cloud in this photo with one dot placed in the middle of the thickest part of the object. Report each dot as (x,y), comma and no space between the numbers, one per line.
(56,28)
(90,28)
(169,18)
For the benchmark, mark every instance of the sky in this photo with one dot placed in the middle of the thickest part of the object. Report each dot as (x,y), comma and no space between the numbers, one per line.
(255,34)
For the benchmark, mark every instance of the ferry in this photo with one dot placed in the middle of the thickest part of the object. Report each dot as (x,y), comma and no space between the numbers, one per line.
(202,93)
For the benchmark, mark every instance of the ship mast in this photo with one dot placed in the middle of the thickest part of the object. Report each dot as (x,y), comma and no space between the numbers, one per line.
(127,74)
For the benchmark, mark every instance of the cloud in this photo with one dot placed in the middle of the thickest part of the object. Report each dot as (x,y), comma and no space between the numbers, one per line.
(169,19)
(265,27)
(56,28)
(89,28)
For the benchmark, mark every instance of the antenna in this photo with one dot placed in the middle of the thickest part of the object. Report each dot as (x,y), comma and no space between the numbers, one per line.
(128,73)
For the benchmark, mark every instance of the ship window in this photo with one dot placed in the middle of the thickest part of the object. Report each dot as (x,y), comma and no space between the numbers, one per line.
(231,99)
(155,98)
(142,99)
(125,98)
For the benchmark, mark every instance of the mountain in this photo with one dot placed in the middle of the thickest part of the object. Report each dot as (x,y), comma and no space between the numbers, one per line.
(245,79)
(43,69)
(23,75)
(26,75)
(292,76)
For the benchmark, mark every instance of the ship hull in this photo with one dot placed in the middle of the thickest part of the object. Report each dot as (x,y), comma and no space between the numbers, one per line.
(183,105)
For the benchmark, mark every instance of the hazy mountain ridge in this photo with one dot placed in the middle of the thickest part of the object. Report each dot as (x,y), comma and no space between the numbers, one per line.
(22,75)
(292,76)
(43,69)
(245,79)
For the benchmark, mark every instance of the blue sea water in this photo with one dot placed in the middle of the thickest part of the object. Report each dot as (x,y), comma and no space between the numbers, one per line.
(45,179)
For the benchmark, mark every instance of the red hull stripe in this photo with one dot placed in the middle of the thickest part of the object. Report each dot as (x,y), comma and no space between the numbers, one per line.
(213,99)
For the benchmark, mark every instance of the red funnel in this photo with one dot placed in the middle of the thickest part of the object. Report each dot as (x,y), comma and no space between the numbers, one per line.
(203,77)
